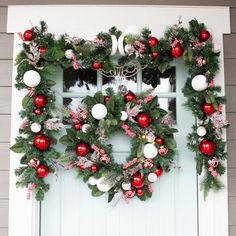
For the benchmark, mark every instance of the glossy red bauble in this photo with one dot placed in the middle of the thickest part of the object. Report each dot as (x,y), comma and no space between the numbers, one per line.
(82,149)
(38,112)
(155,55)
(143,120)
(140,192)
(42,171)
(96,65)
(204,35)
(129,97)
(208,109)
(137,181)
(93,168)
(159,140)
(158,171)
(28,35)
(81,167)
(177,51)
(152,41)
(78,126)
(207,147)
(106,99)
(41,142)
(40,101)
(42,49)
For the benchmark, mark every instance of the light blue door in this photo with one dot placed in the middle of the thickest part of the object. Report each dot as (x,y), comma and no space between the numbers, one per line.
(70,210)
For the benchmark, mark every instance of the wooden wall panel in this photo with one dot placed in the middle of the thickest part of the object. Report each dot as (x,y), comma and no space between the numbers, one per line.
(232,211)
(230,92)
(231,134)
(5,122)
(6,49)
(233,20)
(3,231)
(229,46)
(5,72)
(5,100)
(230,71)
(4,157)
(145,2)
(3,19)
(232,182)
(232,230)
(3,213)
(4,183)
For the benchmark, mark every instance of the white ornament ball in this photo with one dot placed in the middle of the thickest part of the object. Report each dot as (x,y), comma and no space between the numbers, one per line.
(35,127)
(92,181)
(199,83)
(31,78)
(99,111)
(85,127)
(132,29)
(150,151)
(201,131)
(69,54)
(124,116)
(216,48)
(152,177)
(102,185)
(126,186)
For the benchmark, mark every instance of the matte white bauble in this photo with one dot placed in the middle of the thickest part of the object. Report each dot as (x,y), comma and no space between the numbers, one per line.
(102,185)
(69,54)
(132,29)
(126,186)
(92,181)
(31,78)
(216,48)
(114,45)
(85,127)
(35,127)
(150,151)
(152,177)
(201,131)
(199,83)
(99,111)
(124,116)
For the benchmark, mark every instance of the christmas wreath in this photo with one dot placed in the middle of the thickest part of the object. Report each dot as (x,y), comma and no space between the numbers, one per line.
(43,53)
(152,148)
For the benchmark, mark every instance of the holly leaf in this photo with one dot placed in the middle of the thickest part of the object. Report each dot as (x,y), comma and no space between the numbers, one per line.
(23,160)
(99,97)
(25,101)
(110,197)
(17,148)
(163,67)
(96,192)
(50,83)
(65,140)
(199,164)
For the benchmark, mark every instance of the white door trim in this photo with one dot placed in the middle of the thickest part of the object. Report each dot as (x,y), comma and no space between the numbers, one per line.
(24,214)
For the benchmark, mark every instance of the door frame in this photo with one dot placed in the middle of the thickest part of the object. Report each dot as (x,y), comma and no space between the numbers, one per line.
(24,214)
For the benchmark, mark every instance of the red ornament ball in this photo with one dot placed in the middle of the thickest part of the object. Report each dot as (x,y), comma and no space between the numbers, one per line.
(155,55)
(40,101)
(159,140)
(208,109)
(82,149)
(42,171)
(93,168)
(38,112)
(207,147)
(41,142)
(96,65)
(152,41)
(204,35)
(129,97)
(137,181)
(78,126)
(42,49)
(143,119)
(159,171)
(106,99)
(177,51)
(81,167)
(28,35)
(140,192)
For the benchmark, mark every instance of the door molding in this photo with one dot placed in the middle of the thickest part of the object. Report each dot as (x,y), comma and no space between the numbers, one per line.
(24,214)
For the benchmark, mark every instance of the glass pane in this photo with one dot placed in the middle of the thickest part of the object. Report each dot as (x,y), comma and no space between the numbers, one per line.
(161,82)
(169,105)
(81,80)
(129,80)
